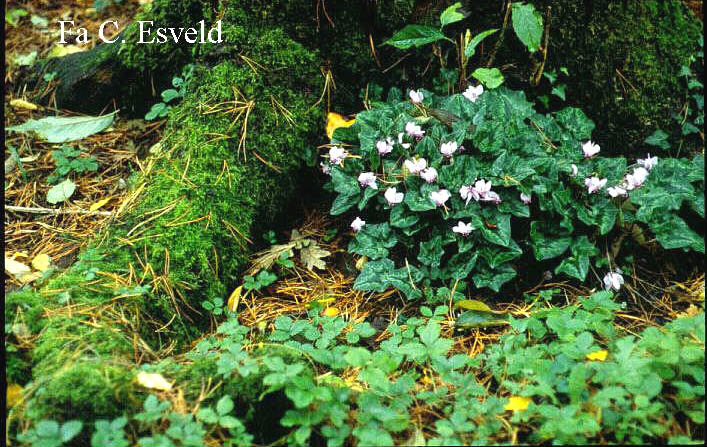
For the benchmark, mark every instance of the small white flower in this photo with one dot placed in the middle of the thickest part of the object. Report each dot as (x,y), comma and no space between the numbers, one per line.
(613,280)
(491,196)
(590,149)
(384,147)
(337,155)
(414,130)
(368,179)
(325,168)
(400,141)
(616,191)
(481,188)
(393,196)
(473,93)
(466,193)
(648,162)
(416,96)
(594,184)
(440,197)
(525,198)
(416,165)
(449,148)
(463,228)
(636,179)
(575,170)
(357,224)
(429,175)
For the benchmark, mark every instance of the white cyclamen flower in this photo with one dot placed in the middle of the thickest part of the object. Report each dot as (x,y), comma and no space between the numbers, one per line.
(590,149)
(400,141)
(416,96)
(416,165)
(368,179)
(429,175)
(480,189)
(594,184)
(463,228)
(326,168)
(525,198)
(414,130)
(384,147)
(648,162)
(636,179)
(616,191)
(466,193)
(491,196)
(575,170)
(337,155)
(472,93)
(613,280)
(440,197)
(357,224)
(393,196)
(447,149)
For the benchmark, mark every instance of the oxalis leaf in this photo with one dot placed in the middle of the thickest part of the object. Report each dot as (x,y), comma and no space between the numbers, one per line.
(62,191)
(65,129)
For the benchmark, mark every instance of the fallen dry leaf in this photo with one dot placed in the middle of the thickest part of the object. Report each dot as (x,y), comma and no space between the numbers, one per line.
(153,381)
(41,262)
(16,268)
(13,395)
(517,403)
(311,256)
(99,204)
(331,312)
(599,355)
(235,298)
(22,104)
(334,121)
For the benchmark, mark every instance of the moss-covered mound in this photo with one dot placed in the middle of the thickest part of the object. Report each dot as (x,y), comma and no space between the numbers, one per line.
(227,168)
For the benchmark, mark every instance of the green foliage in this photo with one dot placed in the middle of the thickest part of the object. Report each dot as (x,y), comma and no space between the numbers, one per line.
(412,245)
(527,24)
(179,84)
(68,160)
(263,279)
(48,433)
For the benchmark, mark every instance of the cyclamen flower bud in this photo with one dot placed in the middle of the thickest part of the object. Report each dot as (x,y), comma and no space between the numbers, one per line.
(416,96)
(400,141)
(393,197)
(473,93)
(575,170)
(525,198)
(440,197)
(447,149)
(648,162)
(357,224)
(613,280)
(326,169)
(462,228)
(429,175)
(368,179)
(594,184)
(590,149)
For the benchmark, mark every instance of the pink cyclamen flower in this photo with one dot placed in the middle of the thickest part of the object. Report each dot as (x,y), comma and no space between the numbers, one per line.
(525,198)
(393,196)
(481,188)
(414,130)
(466,193)
(337,155)
(429,175)
(357,224)
(616,191)
(416,165)
(575,170)
(384,147)
(613,280)
(590,149)
(648,162)
(447,149)
(491,196)
(416,96)
(636,179)
(472,93)
(462,228)
(440,197)
(325,168)
(594,184)
(368,179)
(400,141)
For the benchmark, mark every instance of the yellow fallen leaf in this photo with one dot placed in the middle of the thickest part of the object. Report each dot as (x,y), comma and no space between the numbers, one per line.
(331,312)
(473,305)
(334,121)
(153,381)
(517,403)
(235,298)
(16,268)
(361,262)
(599,355)
(13,394)
(20,254)
(99,204)
(27,278)
(62,50)
(22,104)
(41,262)
(326,300)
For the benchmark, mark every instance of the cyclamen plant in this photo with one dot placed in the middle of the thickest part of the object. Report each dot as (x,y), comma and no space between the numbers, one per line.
(442,185)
